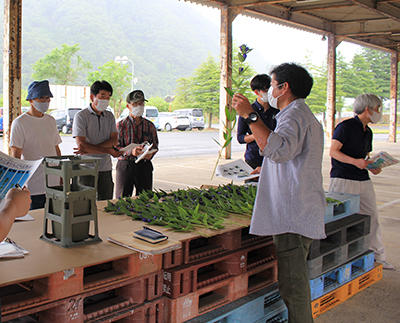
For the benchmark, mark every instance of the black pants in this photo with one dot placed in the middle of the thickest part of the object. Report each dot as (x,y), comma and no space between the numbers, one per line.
(105,185)
(38,201)
(130,175)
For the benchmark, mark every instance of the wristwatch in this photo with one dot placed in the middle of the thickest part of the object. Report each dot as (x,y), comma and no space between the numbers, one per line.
(253,117)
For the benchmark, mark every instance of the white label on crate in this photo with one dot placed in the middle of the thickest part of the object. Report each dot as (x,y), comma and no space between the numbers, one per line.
(167,276)
(187,307)
(166,289)
(143,256)
(68,273)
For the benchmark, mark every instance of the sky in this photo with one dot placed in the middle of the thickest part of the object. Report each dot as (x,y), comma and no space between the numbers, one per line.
(274,44)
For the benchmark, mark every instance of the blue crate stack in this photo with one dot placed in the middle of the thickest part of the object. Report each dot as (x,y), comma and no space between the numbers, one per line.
(343,255)
(334,261)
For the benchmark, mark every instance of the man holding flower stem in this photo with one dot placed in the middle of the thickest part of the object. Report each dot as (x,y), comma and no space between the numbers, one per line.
(290,201)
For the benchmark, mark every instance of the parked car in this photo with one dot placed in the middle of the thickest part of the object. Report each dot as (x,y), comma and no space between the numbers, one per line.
(23,110)
(195,116)
(65,118)
(170,120)
(150,113)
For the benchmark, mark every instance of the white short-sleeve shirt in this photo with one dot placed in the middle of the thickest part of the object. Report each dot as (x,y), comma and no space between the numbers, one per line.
(38,138)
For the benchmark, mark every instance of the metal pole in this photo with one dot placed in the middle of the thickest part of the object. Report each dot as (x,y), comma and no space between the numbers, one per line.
(393,96)
(11,66)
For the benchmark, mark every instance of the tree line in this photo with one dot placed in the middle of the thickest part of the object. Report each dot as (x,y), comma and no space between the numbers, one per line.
(368,71)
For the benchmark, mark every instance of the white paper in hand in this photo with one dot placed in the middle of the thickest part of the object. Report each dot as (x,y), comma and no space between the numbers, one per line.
(237,170)
(128,149)
(146,151)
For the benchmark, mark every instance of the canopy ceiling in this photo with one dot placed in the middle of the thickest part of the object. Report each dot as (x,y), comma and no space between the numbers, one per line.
(365,22)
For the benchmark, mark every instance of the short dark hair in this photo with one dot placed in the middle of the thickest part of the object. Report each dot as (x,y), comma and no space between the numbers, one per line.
(97,86)
(299,80)
(260,82)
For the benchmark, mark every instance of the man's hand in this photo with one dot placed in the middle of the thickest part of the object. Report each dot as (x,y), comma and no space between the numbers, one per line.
(18,201)
(242,105)
(79,150)
(116,153)
(137,150)
(257,170)
(376,171)
(361,163)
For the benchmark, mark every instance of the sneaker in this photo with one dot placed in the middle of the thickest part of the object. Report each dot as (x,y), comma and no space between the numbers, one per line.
(386,265)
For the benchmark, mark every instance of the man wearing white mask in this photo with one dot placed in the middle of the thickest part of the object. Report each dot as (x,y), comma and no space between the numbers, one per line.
(259,85)
(350,148)
(96,135)
(290,201)
(135,129)
(34,135)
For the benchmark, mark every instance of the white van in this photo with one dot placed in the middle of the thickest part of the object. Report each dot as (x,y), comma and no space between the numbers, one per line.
(150,113)
(195,116)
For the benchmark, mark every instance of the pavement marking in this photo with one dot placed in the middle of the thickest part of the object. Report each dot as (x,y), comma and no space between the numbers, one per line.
(389,218)
(175,183)
(197,168)
(388,204)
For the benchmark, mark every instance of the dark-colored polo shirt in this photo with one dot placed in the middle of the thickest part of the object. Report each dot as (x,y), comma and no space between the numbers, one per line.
(357,143)
(252,154)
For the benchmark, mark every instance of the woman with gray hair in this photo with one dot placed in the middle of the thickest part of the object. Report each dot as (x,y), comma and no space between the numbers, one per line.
(350,148)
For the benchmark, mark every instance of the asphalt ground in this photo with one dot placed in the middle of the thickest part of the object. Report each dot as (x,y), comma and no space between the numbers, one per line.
(380,303)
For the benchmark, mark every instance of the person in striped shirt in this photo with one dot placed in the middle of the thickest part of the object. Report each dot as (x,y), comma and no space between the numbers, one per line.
(135,129)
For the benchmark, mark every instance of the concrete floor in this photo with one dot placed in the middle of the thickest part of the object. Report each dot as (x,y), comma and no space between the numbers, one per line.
(379,303)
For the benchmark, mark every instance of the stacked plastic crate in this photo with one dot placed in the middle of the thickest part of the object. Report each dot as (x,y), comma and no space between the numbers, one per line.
(209,272)
(128,289)
(341,264)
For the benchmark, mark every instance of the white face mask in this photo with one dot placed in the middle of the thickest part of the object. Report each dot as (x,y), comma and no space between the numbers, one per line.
(41,106)
(102,105)
(137,111)
(273,102)
(264,96)
(376,116)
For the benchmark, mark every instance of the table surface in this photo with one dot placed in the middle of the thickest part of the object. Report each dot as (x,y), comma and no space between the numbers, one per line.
(45,258)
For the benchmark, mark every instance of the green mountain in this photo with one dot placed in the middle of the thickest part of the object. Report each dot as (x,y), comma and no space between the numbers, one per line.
(166,39)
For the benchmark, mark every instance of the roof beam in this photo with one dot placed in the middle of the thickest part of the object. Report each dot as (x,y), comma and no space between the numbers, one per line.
(320,6)
(384,9)
(374,26)
(285,16)
(252,3)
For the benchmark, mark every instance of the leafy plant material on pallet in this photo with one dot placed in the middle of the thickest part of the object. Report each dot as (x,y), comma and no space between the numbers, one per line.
(186,210)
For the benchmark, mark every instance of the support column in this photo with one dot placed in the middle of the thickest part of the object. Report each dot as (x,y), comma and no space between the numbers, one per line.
(11,66)
(227,16)
(331,87)
(393,96)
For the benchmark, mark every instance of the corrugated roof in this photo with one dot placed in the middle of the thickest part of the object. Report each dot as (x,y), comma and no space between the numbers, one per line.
(373,23)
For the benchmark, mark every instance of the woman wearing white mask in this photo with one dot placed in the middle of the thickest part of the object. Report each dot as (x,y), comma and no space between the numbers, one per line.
(34,135)
(350,149)
(135,129)
(259,85)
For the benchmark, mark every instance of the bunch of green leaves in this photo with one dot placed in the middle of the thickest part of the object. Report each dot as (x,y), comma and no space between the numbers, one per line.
(330,200)
(230,113)
(186,210)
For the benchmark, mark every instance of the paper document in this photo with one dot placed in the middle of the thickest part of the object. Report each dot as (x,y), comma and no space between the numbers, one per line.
(128,149)
(26,217)
(15,171)
(147,151)
(237,170)
(381,160)
(9,249)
